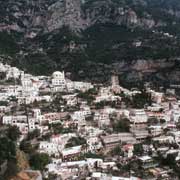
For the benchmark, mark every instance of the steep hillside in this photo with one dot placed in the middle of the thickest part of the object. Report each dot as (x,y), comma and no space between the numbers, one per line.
(137,39)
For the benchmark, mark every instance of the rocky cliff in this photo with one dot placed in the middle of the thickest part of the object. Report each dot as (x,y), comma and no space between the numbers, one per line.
(137,39)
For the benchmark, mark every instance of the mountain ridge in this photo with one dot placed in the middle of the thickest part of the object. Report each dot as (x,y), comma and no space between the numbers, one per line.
(93,39)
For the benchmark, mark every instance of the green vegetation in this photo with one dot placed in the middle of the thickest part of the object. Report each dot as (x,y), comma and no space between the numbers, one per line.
(170,161)
(59,129)
(3,103)
(138,149)
(27,147)
(93,155)
(121,125)
(33,134)
(8,44)
(75,141)
(7,150)
(117,151)
(38,161)
(98,45)
(9,136)
(2,75)
(13,133)
(95,46)
(138,100)
(88,95)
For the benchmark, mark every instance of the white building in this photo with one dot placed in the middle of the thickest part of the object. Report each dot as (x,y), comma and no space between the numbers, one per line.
(155,108)
(138,116)
(58,81)
(14,90)
(82,86)
(102,118)
(156,130)
(157,97)
(78,116)
(176,115)
(30,85)
(128,150)
(12,120)
(70,99)
(70,85)
(70,153)
(61,139)
(176,135)
(3,68)
(19,121)
(91,131)
(105,94)
(13,72)
(49,148)
(94,144)
(24,123)
(164,139)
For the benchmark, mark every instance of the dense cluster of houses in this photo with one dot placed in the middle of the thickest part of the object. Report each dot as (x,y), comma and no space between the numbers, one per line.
(83,137)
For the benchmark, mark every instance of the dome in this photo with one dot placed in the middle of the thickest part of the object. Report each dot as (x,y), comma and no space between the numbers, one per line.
(58,74)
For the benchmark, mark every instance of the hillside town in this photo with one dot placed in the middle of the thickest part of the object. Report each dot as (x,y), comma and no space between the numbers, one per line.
(81,130)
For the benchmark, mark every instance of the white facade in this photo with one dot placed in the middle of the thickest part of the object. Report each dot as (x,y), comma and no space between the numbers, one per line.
(49,148)
(138,116)
(13,72)
(94,144)
(78,115)
(92,131)
(19,121)
(70,86)
(30,85)
(71,151)
(14,90)
(82,86)
(61,139)
(102,118)
(176,115)
(22,122)
(58,81)
(70,99)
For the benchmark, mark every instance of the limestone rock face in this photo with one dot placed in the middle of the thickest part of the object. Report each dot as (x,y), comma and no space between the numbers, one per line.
(137,39)
(46,16)
(65,13)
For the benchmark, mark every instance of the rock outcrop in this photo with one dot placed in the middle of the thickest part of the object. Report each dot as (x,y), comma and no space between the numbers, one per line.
(137,39)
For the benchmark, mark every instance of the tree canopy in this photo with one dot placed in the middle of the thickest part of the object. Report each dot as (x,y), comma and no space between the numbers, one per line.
(38,161)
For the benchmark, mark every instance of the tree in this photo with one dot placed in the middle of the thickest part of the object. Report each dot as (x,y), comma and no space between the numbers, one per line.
(7,150)
(117,151)
(38,161)
(13,133)
(75,141)
(162,121)
(34,134)
(88,95)
(13,98)
(27,147)
(138,149)
(93,155)
(2,75)
(121,125)
(59,129)
(140,100)
(3,103)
